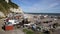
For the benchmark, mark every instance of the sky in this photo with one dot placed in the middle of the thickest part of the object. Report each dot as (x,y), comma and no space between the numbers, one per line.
(39,6)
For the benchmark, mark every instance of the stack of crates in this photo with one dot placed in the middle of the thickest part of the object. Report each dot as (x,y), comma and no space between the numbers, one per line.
(9,27)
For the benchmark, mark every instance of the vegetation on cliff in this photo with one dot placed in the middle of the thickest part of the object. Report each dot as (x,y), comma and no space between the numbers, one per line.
(4,6)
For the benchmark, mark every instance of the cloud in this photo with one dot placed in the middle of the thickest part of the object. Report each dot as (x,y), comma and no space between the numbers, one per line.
(27,2)
(40,5)
(53,5)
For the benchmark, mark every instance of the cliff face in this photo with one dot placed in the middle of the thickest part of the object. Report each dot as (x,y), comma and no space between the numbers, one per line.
(6,6)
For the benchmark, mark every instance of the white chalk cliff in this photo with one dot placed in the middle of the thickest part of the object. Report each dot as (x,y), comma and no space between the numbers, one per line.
(7,1)
(2,14)
(18,10)
(6,6)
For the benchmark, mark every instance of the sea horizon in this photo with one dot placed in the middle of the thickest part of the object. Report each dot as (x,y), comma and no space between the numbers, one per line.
(55,14)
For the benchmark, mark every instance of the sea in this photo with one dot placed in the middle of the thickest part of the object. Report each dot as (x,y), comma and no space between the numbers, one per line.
(54,14)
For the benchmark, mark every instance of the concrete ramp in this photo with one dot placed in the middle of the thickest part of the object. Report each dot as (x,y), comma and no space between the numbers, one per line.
(17,31)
